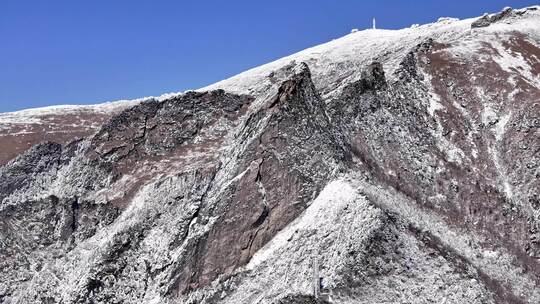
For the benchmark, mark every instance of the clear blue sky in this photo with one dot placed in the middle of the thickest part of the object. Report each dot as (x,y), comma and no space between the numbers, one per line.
(91,51)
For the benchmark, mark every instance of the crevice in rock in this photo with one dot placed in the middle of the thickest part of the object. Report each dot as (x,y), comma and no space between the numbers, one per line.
(74,214)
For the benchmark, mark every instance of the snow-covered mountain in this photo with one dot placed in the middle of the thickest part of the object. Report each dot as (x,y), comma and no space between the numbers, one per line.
(401,165)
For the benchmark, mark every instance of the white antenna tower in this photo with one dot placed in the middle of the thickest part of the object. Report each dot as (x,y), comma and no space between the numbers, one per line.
(374,24)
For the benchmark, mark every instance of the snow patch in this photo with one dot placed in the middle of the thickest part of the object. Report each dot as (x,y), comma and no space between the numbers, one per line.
(489,116)
(434,104)
(332,198)
(514,63)
(501,172)
(500,126)
(447,20)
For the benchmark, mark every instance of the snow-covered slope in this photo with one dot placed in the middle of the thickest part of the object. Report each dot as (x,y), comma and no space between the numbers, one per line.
(338,62)
(403,163)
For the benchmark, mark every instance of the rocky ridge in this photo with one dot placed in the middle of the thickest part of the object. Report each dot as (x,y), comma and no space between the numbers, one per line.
(407,166)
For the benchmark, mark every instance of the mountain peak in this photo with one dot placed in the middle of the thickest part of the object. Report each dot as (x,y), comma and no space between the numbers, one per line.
(388,166)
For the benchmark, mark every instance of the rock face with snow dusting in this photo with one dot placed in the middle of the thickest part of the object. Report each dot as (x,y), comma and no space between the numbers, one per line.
(405,163)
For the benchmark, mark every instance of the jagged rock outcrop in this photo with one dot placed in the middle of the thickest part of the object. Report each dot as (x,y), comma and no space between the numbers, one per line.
(507,12)
(405,167)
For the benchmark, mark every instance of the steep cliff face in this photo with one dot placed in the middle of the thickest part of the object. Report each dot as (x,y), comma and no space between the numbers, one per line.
(403,163)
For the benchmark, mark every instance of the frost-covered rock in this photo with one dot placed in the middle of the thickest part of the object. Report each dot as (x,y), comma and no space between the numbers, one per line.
(404,163)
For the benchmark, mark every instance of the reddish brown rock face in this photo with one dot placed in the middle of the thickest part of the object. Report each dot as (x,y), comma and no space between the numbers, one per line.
(466,156)
(277,177)
(17,138)
(493,190)
(21,130)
